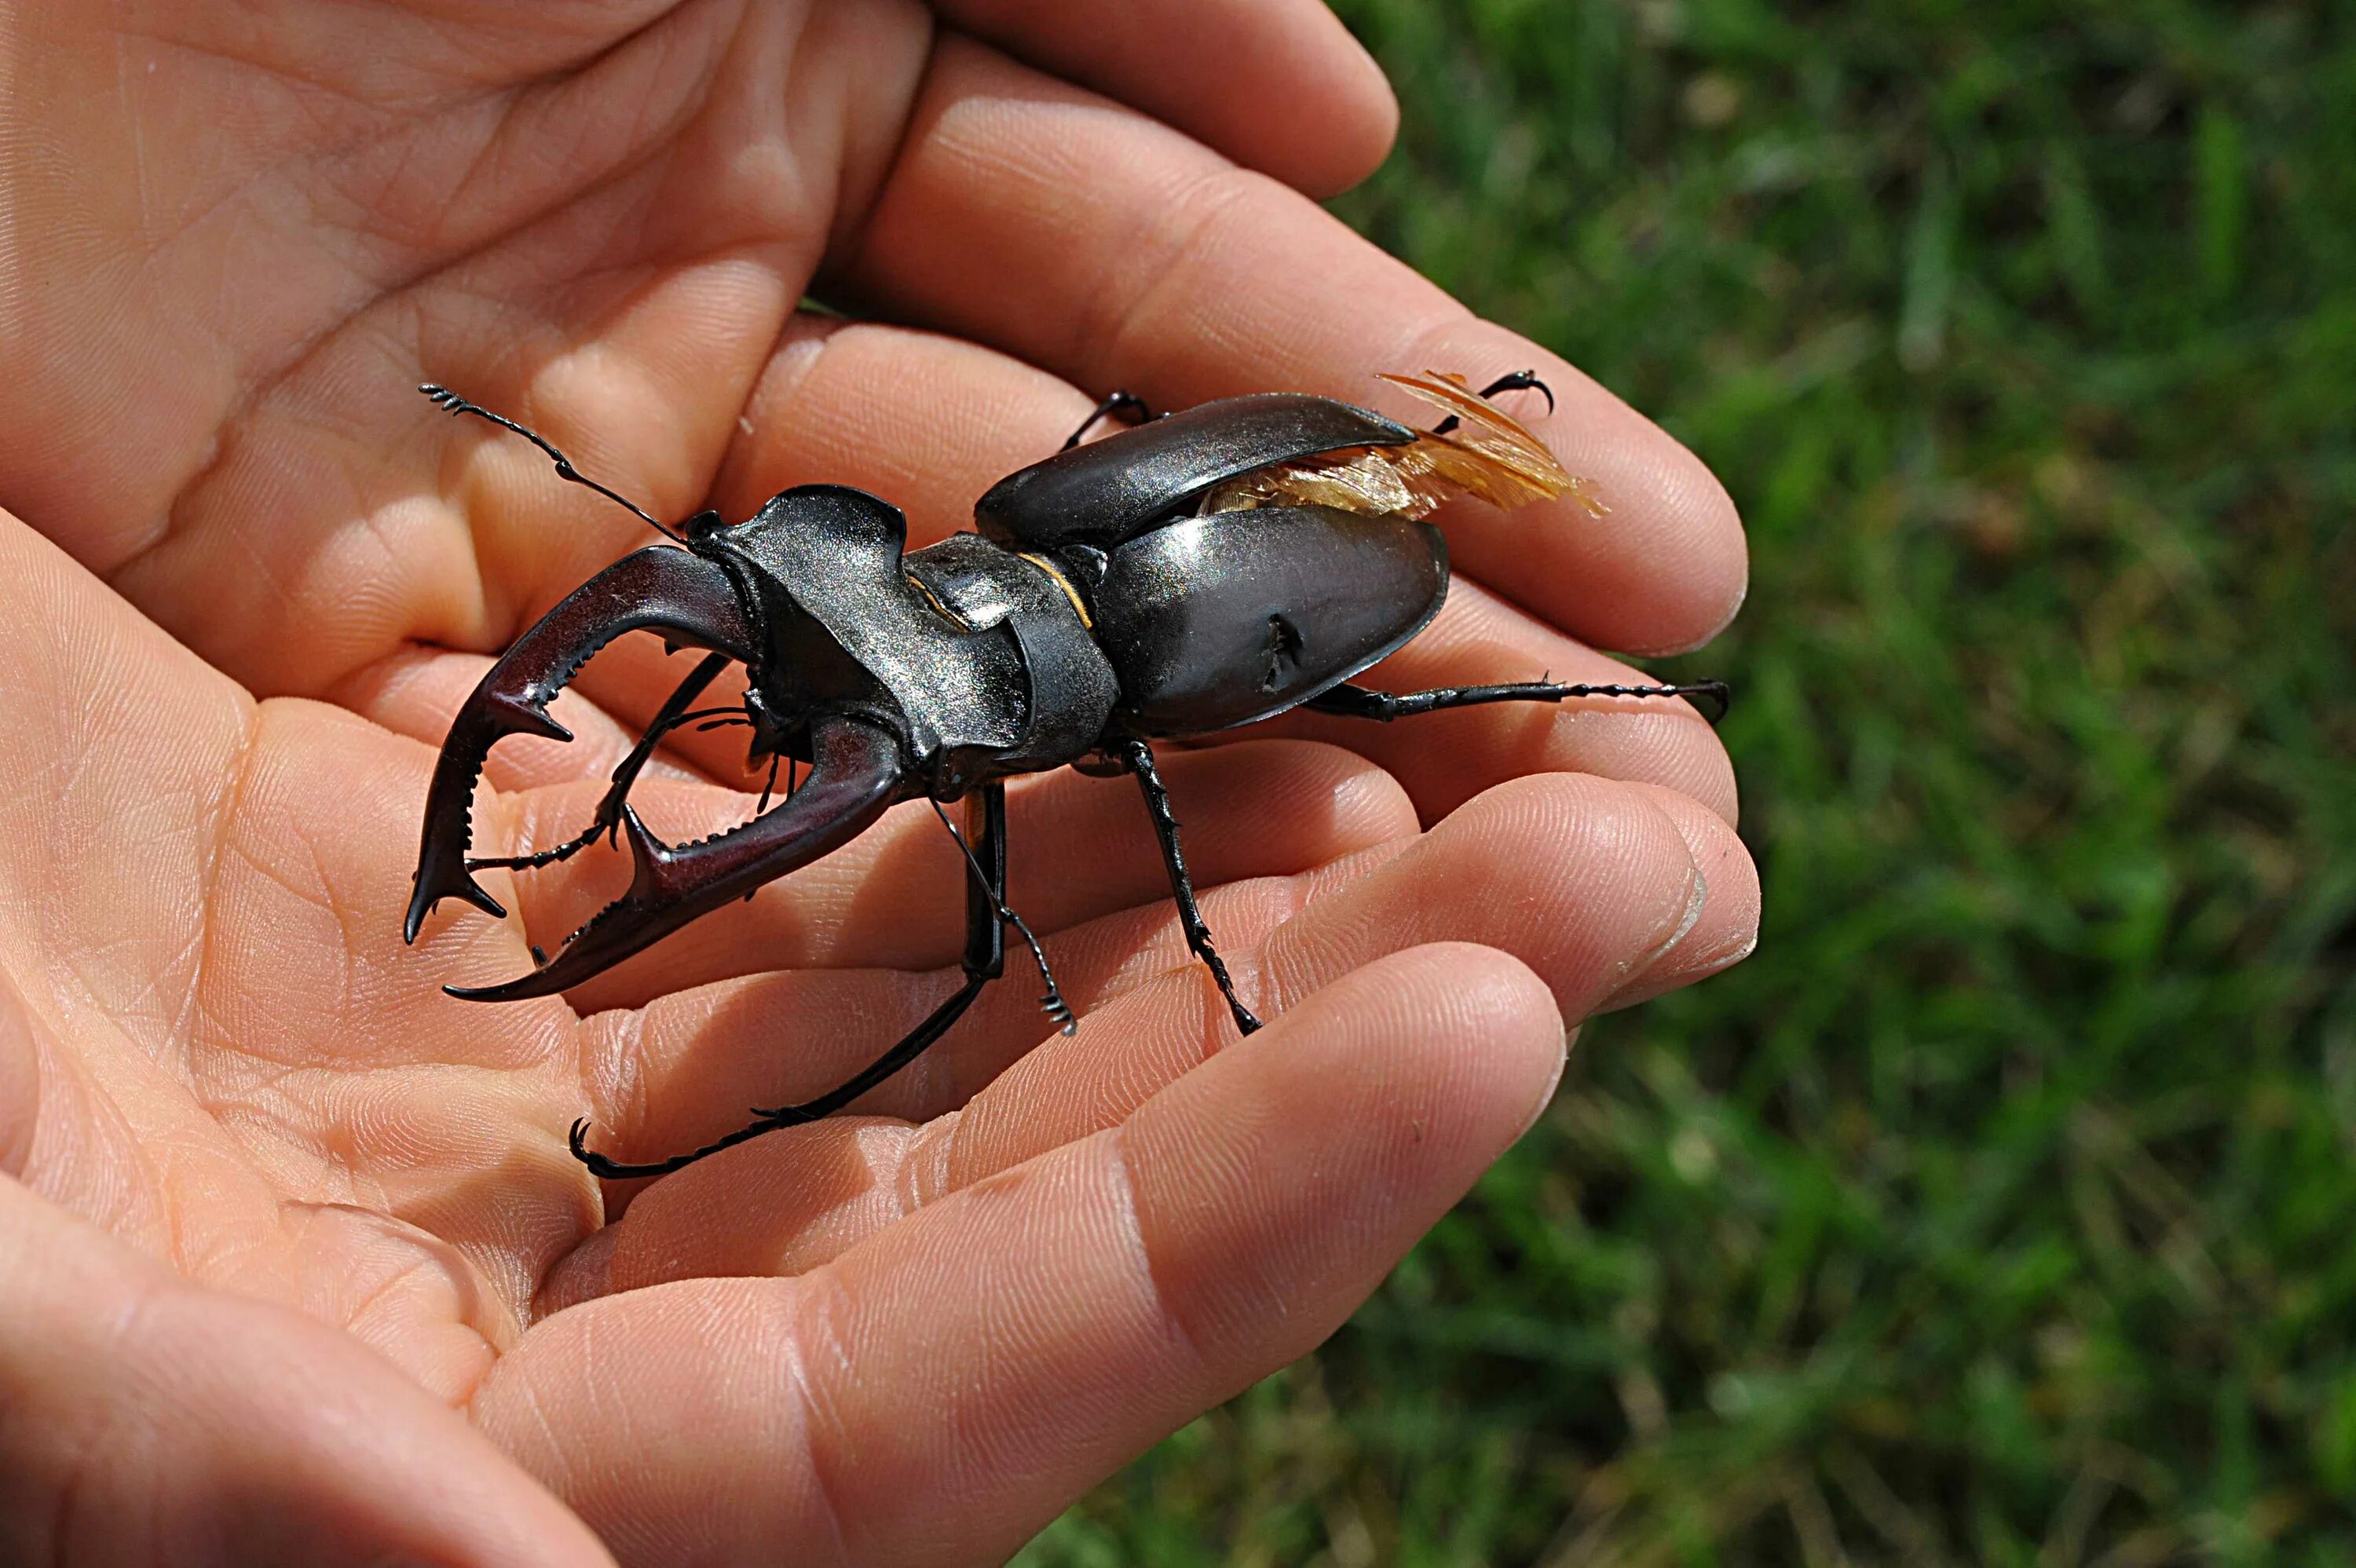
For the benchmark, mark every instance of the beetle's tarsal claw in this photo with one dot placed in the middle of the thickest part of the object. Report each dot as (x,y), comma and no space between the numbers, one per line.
(577,1140)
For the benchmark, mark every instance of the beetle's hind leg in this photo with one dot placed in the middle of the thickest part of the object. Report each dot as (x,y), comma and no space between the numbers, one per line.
(984,961)
(1511,381)
(1358,702)
(1138,758)
(607,822)
(1118,403)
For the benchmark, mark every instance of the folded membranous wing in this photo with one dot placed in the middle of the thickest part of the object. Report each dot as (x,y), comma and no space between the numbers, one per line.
(1487,453)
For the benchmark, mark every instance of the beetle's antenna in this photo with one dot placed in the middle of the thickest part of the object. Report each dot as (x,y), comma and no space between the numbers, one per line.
(1052,1003)
(444,398)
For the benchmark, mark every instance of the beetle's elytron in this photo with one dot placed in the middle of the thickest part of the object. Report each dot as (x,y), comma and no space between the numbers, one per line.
(1203,570)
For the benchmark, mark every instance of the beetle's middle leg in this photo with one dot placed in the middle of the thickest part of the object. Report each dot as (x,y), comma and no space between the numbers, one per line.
(1138,758)
(986,916)
(608,819)
(1358,702)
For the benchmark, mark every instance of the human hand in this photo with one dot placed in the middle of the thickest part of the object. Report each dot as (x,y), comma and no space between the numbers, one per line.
(210,342)
(911,1335)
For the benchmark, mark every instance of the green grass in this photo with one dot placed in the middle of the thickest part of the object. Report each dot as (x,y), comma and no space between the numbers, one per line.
(2003,1208)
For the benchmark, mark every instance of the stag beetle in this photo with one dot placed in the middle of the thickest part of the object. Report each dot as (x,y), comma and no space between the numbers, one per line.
(1188,574)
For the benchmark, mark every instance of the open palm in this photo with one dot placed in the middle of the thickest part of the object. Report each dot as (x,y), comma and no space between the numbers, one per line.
(240,236)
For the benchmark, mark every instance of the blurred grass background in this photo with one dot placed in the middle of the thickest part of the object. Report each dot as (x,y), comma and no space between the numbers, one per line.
(2000,1209)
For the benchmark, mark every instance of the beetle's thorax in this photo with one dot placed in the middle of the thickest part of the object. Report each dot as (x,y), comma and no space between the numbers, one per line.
(977,659)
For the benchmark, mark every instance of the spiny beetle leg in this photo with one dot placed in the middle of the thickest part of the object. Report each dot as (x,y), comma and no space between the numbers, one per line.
(1358,702)
(1138,758)
(992,807)
(984,961)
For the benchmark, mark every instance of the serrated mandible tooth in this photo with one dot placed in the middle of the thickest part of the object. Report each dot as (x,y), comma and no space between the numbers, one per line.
(654,868)
(523,716)
(426,893)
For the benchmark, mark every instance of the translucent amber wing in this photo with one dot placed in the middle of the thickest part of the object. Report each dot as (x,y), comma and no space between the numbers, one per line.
(1357,480)
(1488,455)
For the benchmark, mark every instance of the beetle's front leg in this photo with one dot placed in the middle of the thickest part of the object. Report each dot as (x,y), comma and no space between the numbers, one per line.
(607,821)
(1138,758)
(984,961)
(1359,702)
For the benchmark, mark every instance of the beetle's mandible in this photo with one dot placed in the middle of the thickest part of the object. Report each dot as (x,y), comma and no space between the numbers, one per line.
(1189,575)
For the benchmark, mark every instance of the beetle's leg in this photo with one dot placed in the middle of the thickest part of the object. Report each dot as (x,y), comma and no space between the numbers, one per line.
(985,960)
(607,822)
(1138,758)
(995,883)
(1511,381)
(1358,702)
(1119,402)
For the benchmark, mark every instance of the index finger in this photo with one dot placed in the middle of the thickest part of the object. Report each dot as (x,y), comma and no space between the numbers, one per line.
(1278,85)
(940,1390)
(1032,215)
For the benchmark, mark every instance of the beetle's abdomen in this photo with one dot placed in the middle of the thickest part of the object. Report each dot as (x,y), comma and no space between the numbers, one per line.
(1220,620)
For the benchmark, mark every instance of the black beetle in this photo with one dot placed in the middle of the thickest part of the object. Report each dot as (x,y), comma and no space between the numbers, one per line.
(1206,569)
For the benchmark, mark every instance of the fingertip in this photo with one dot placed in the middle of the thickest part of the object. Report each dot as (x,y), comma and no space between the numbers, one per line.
(1726,931)
(1361,124)
(1456,1044)
(1488,1002)
(1666,568)
(1278,86)
(1579,876)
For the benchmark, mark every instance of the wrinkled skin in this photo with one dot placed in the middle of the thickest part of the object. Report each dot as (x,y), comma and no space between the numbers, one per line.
(284,1231)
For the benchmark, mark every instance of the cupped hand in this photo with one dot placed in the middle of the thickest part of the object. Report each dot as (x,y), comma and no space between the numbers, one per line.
(289,1230)
(282,1220)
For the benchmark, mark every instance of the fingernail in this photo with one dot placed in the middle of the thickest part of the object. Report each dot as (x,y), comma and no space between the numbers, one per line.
(1569,1036)
(1697,900)
(1717,933)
